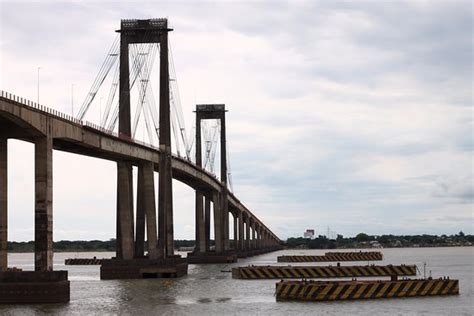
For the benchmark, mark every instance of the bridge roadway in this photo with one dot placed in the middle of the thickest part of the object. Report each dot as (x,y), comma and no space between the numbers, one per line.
(26,120)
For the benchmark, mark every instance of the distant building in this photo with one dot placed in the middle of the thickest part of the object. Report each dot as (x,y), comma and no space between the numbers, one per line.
(375,244)
(309,233)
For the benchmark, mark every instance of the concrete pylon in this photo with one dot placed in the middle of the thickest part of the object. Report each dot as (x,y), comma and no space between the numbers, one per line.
(203,112)
(207,223)
(247,234)
(257,235)
(140,216)
(200,224)
(125,239)
(236,231)
(3,204)
(199,218)
(241,231)
(125,234)
(44,203)
(146,212)
(150,209)
(218,229)
(254,236)
(133,32)
(165,199)
(225,220)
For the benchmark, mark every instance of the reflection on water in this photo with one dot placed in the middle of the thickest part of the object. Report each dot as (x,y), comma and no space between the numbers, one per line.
(208,291)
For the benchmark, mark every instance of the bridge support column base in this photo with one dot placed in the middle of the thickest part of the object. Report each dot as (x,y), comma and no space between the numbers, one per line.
(211,257)
(143,268)
(34,287)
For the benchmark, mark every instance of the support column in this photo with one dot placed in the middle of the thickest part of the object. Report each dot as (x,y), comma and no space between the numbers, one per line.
(236,235)
(165,199)
(124,217)
(225,222)
(217,223)
(241,231)
(140,220)
(44,203)
(207,223)
(247,234)
(225,206)
(150,208)
(200,224)
(3,204)
(146,212)
(198,219)
(257,237)
(254,240)
(125,238)
(124,90)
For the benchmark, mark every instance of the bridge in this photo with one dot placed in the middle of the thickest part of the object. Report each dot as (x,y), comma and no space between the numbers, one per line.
(51,130)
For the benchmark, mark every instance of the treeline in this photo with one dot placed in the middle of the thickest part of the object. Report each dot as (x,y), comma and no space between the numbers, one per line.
(81,245)
(363,240)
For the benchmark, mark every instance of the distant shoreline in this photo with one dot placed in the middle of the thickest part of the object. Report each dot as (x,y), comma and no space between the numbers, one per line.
(355,249)
(321,242)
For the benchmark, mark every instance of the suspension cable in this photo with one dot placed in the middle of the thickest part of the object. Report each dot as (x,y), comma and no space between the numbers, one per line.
(103,72)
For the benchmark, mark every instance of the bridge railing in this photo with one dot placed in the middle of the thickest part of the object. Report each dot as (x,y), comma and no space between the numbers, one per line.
(70,118)
(39,107)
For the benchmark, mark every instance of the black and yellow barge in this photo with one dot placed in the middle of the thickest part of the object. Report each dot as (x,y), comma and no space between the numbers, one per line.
(334,257)
(308,272)
(359,290)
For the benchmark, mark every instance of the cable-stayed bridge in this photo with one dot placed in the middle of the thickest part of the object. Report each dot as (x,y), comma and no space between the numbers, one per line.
(114,138)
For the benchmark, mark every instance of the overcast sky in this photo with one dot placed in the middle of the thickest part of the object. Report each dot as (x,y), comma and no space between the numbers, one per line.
(352,115)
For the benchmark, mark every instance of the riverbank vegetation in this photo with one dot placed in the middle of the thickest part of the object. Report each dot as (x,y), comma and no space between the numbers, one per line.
(361,240)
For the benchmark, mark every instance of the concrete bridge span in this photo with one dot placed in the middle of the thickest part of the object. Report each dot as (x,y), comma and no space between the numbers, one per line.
(51,130)
(25,120)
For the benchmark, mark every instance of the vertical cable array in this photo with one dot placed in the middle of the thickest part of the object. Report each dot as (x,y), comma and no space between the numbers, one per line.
(99,80)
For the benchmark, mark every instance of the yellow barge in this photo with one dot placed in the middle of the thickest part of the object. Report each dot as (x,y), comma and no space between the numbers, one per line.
(335,257)
(307,272)
(358,290)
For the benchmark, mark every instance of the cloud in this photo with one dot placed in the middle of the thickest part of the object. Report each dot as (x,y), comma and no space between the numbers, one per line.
(356,116)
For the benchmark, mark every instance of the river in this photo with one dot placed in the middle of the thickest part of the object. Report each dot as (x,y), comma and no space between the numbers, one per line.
(208,291)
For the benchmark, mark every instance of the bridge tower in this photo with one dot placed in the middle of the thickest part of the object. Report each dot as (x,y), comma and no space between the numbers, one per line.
(142,32)
(220,201)
(130,242)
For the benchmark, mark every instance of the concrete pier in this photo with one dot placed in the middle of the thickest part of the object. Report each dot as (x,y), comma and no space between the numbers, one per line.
(150,209)
(236,231)
(207,223)
(33,287)
(44,203)
(165,194)
(130,261)
(218,229)
(241,232)
(3,203)
(143,268)
(125,229)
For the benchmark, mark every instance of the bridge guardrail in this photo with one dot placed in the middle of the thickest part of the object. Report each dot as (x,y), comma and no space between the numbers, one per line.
(70,118)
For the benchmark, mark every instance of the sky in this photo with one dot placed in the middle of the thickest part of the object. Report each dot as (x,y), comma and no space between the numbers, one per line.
(343,116)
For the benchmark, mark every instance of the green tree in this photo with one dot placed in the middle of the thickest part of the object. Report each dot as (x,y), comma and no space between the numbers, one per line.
(363,237)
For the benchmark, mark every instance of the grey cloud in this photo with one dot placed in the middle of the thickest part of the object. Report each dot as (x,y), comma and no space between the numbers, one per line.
(333,105)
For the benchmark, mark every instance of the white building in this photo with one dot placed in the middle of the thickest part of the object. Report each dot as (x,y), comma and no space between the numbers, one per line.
(309,233)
